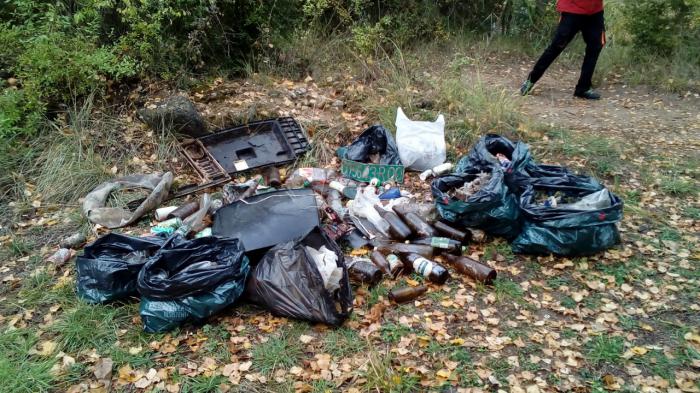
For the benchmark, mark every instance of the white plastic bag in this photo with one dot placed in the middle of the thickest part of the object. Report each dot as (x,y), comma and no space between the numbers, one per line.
(421,143)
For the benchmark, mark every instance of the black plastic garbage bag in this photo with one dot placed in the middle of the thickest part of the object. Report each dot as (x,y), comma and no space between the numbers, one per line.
(493,208)
(188,281)
(110,265)
(287,282)
(374,140)
(568,229)
(483,157)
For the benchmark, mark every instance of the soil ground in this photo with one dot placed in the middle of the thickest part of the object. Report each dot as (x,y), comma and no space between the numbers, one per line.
(622,320)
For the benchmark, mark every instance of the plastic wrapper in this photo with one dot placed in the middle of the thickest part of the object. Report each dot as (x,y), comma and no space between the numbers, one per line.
(569,229)
(110,265)
(287,282)
(188,281)
(492,208)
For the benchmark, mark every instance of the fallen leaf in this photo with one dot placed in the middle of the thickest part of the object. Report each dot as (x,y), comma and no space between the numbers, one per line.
(306,339)
(103,368)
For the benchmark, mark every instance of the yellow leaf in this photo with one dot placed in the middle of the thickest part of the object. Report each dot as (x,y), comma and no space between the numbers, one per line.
(47,348)
(412,283)
(359,252)
(639,350)
(692,337)
(442,373)
(457,341)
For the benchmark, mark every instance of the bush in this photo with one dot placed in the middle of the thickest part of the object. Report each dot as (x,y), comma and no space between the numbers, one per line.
(663,26)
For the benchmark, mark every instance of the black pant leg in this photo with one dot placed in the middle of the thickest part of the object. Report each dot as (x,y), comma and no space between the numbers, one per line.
(593,32)
(568,27)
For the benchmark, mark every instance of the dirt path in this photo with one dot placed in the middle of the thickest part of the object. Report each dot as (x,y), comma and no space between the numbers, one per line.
(663,122)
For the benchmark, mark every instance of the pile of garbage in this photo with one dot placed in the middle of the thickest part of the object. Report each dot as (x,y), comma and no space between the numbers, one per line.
(277,241)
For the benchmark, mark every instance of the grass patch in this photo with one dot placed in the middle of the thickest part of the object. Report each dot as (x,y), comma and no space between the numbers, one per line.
(20,247)
(498,248)
(680,186)
(20,372)
(280,351)
(604,349)
(500,368)
(392,332)
(202,384)
(343,342)
(601,155)
(507,289)
(90,326)
(374,294)
(322,386)
(382,376)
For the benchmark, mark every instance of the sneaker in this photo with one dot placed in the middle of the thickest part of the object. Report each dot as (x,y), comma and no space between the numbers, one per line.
(526,87)
(589,94)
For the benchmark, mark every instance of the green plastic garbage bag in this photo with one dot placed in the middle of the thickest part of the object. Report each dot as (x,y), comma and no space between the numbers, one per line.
(582,227)
(188,281)
(493,208)
(109,266)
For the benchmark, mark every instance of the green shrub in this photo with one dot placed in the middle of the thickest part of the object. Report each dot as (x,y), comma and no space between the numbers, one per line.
(663,26)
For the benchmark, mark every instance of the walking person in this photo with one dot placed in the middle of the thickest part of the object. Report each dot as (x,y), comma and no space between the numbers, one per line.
(585,16)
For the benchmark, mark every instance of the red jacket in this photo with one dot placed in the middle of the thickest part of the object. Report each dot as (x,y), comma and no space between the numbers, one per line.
(584,7)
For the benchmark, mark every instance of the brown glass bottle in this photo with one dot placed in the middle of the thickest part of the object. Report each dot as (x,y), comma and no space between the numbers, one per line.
(418,225)
(272,177)
(405,294)
(403,248)
(442,243)
(472,268)
(363,271)
(184,211)
(381,262)
(452,232)
(397,229)
(395,264)
(431,270)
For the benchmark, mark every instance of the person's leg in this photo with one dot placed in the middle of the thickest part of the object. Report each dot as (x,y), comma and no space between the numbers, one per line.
(568,27)
(593,32)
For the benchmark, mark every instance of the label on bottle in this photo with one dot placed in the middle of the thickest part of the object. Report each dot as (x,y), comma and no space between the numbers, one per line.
(422,266)
(440,242)
(394,262)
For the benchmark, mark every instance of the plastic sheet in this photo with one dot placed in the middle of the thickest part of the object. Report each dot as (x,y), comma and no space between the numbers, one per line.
(265,220)
(188,281)
(110,265)
(568,230)
(287,282)
(493,208)
(95,209)
(373,140)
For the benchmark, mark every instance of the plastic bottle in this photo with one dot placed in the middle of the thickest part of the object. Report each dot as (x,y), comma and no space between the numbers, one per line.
(314,175)
(397,229)
(472,268)
(347,191)
(435,171)
(405,294)
(334,200)
(433,271)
